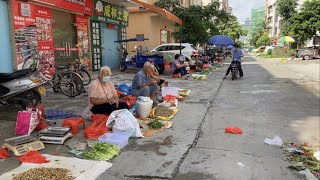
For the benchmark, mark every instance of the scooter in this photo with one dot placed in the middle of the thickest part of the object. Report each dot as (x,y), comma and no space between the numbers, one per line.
(21,88)
(234,70)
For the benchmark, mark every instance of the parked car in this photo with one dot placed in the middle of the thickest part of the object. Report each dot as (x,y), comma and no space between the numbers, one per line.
(307,54)
(259,49)
(174,48)
(270,48)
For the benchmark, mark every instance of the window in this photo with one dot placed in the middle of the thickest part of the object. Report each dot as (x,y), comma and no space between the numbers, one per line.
(164,36)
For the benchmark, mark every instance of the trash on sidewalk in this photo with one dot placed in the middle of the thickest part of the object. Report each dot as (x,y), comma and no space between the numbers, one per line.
(32,157)
(233,130)
(295,150)
(302,161)
(81,146)
(4,153)
(277,141)
(308,174)
(317,155)
(76,152)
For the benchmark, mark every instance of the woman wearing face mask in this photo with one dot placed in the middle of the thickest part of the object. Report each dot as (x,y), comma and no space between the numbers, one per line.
(103,98)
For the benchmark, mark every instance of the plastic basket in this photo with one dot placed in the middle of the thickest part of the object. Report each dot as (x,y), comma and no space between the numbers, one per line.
(120,139)
(174,91)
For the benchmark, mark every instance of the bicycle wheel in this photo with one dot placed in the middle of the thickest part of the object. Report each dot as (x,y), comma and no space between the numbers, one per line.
(86,78)
(70,84)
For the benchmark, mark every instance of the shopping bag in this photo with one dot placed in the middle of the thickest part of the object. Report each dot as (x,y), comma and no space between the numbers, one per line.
(125,122)
(27,121)
(130,100)
(97,128)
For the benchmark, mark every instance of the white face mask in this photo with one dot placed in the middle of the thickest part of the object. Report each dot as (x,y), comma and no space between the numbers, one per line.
(106,79)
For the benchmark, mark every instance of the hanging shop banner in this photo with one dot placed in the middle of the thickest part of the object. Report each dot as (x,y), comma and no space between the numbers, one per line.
(79,6)
(83,40)
(96,45)
(110,13)
(33,36)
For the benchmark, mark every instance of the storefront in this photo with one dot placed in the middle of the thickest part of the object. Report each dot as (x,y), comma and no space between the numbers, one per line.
(56,32)
(107,26)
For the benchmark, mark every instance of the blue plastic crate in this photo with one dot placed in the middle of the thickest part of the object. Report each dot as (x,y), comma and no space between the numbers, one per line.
(120,139)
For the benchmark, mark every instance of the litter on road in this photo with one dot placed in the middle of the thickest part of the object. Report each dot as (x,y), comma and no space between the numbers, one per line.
(277,141)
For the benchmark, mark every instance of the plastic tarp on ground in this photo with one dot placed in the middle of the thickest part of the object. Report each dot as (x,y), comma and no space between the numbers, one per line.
(80,169)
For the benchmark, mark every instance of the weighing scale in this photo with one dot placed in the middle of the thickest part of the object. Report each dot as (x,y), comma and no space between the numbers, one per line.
(55,135)
(23,144)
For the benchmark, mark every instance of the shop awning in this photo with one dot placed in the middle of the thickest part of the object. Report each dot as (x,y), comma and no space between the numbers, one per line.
(158,10)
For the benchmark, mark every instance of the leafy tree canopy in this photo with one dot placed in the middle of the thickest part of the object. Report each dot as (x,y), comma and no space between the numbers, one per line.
(286,8)
(202,22)
(304,24)
(263,40)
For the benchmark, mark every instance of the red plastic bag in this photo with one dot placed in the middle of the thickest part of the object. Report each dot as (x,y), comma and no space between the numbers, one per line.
(32,157)
(130,100)
(233,130)
(4,153)
(97,128)
(169,98)
(41,125)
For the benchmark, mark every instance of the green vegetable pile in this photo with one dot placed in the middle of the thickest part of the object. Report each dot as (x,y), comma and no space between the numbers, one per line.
(102,152)
(155,124)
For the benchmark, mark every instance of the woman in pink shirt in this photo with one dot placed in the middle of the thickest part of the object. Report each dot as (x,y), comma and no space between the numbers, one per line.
(103,98)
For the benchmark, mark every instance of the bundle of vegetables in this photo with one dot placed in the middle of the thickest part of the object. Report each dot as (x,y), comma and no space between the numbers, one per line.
(155,124)
(102,152)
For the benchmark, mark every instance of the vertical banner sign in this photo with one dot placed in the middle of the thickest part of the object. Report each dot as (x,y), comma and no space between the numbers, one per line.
(96,45)
(110,13)
(33,36)
(83,40)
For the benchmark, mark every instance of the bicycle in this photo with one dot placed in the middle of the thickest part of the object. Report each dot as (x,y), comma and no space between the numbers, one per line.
(80,68)
(65,81)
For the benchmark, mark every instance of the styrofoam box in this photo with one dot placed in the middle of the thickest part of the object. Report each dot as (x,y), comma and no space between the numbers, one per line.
(170,91)
(120,139)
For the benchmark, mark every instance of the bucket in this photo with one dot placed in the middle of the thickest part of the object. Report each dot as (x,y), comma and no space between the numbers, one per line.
(144,106)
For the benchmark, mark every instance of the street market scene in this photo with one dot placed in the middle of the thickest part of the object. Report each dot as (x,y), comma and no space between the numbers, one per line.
(159,89)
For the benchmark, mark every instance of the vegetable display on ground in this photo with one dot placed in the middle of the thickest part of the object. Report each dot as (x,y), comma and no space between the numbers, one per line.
(164,112)
(102,152)
(45,174)
(155,124)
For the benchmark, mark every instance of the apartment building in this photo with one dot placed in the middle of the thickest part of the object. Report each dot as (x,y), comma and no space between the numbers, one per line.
(224,4)
(272,19)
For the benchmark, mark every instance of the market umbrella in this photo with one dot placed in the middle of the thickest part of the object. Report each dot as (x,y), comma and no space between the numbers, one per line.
(285,39)
(220,40)
(230,47)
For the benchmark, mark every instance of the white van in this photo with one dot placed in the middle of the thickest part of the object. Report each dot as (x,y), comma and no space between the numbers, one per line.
(174,48)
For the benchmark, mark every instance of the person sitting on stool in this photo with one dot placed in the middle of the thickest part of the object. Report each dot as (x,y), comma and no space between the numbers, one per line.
(103,98)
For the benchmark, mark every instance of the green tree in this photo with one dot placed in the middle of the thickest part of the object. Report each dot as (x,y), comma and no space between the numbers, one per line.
(263,40)
(202,22)
(305,24)
(286,8)
(257,34)
(232,28)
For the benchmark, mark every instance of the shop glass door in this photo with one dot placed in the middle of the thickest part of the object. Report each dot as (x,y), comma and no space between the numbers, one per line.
(65,37)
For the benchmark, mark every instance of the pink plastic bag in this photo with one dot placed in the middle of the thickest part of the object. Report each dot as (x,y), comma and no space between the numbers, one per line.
(27,121)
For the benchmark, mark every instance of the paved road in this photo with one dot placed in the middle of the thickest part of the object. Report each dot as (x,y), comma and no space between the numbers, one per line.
(268,101)
(271,100)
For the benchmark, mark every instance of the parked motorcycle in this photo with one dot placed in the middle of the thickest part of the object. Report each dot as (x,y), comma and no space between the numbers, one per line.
(21,88)
(234,69)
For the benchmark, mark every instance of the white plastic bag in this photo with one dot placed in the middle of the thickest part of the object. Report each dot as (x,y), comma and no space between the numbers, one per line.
(124,121)
(86,113)
(308,174)
(277,141)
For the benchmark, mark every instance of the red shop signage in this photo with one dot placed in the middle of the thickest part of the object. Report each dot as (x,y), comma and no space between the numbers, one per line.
(79,6)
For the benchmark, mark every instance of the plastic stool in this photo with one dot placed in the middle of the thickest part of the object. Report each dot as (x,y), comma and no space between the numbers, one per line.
(175,75)
(73,123)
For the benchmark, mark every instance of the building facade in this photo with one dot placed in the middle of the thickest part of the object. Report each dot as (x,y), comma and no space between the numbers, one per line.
(57,32)
(224,4)
(153,23)
(272,19)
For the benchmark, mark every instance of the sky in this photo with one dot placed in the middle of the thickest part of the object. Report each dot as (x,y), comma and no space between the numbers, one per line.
(242,8)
